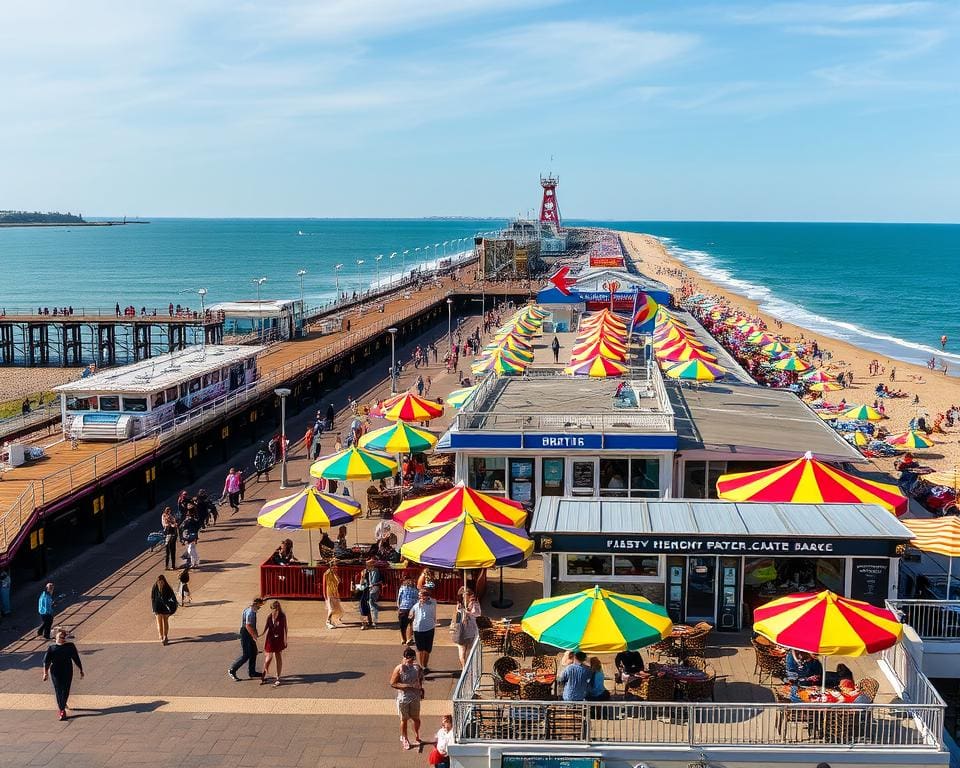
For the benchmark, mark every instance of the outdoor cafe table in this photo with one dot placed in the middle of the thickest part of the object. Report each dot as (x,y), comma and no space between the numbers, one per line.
(812,695)
(521,676)
(679,672)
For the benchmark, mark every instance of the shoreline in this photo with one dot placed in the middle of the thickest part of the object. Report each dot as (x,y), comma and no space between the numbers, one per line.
(936,391)
(35,224)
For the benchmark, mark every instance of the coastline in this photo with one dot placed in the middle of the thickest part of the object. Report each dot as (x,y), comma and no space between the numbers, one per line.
(936,391)
(35,224)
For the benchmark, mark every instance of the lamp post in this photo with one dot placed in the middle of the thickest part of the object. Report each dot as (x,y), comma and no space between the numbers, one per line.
(378,260)
(202,293)
(449,326)
(416,251)
(391,263)
(258,281)
(303,310)
(393,360)
(338,267)
(359,279)
(283,393)
(403,265)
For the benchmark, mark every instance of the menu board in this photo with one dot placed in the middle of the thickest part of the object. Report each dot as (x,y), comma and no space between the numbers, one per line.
(553,473)
(583,476)
(870,580)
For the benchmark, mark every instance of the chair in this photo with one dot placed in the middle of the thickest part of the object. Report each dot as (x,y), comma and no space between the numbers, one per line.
(768,665)
(704,626)
(701,690)
(870,687)
(565,723)
(521,644)
(532,690)
(695,643)
(491,639)
(487,722)
(651,688)
(502,689)
(544,662)
(791,715)
(665,647)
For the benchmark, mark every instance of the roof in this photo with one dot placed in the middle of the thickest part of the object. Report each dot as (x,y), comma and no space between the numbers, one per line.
(254,308)
(160,372)
(715,518)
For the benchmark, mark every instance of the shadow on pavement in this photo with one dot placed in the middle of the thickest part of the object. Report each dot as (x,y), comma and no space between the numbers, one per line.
(146,706)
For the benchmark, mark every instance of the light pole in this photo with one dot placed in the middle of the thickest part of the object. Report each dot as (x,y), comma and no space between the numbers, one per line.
(202,292)
(393,360)
(283,393)
(303,309)
(338,267)
(359,279)
(445,248)
(403,265)
(391,264)
(258,281)
(378,260)
(417,257)
(435,246)
(450,326)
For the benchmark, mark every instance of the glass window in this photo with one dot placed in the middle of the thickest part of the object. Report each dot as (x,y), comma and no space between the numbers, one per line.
(521,481)
(159,399)
(636,565)
(172,394)
(488,473)
(645,478)
(215,377)
(551,477)
(135,404)
(195,385)
(583,477)
(694,479)
(109,403)
(81,403)
(714,470)
(589,565)
(614,474)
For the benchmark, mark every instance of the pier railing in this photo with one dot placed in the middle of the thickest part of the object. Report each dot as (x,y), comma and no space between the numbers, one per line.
(21,423)
(931,619)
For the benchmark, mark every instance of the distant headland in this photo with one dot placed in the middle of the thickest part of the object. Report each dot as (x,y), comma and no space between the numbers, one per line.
(56,219)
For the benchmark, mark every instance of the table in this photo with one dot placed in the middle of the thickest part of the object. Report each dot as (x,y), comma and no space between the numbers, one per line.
(680,672)
(520,676)
(812,695)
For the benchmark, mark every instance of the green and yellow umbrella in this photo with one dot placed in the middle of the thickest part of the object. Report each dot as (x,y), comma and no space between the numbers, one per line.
(775,348)
(825,386)
(399,437)
(500,364)
(861,413)
(458,397)
(911,440)
(354,464)
(597,621)
(791,363)
(695,370)
(516,354)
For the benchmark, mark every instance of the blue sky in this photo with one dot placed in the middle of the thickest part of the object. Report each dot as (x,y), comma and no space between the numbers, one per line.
(650,110)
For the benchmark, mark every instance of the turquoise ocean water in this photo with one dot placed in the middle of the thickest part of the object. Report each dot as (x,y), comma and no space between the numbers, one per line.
(887,287)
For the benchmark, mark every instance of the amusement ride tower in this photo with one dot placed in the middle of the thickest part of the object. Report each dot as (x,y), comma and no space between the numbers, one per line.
(549,210)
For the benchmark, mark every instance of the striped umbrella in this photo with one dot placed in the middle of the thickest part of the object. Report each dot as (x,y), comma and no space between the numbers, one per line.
(808,481)
(354,464)
(597,621)
(527,327)
(818,375)
(399,437)
(685,352)
(459,500)
(510,341)
(791,363)
(910,440)
(825,386)
(601,349)
(861,413)
(517,355)
(940,535)
(646,309)
(412,408)
(761,338)
(459,397)
(857,438)
(308,508)
(501,365)
(597,367)
(775,348)
(695,370)
(466,542)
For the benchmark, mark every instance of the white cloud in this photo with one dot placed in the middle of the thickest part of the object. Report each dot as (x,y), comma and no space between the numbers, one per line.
(829,13)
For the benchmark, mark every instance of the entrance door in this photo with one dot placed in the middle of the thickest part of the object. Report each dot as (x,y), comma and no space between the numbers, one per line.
(701,589)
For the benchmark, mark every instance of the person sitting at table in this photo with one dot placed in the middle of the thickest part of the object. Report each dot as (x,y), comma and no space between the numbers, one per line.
(629,665)
(576,678)
(597,691)
(341,551)
(386,553)
(427,580)
(803,668)
(286,553)
(850,694)
(833,679)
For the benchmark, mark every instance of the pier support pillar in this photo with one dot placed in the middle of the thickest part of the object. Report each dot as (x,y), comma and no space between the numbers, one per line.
(38,343)
(6,343)
(106,344)
(142,341)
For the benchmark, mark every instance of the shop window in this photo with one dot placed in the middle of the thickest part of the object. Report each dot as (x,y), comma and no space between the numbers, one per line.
(614,475)
(645,478)
(135,404)
(521,481)
(766,578)
(636,565)
(589,566)
(694,479)
(109,403)
(81,403)
(488,473)
(714,470)
(551,477)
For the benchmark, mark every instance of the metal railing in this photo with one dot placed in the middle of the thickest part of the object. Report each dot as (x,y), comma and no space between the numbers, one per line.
(37,417)
(621,421)
(932,619)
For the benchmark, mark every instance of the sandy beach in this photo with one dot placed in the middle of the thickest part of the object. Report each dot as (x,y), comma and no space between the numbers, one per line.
(936,391)
(18,382)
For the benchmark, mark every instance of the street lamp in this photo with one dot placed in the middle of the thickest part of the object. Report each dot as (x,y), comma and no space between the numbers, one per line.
(378,260)
(359,279)
(393,360)
(202,292)
(445,248)
(303,312)
(283,393)
(338,267)
(450,326)
(258,281)
(417,257)
(403,265)
(391,265)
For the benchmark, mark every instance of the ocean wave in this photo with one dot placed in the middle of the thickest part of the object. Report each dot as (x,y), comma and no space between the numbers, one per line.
(886,344)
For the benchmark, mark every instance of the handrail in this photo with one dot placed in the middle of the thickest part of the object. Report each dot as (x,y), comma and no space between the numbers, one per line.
(932,619)
(22,421)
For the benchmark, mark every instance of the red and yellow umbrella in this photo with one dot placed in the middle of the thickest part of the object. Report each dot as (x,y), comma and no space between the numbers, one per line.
(826,624)
(685,352)
(596,367)
(412,408)
(808,481)
(609,350)
(459,500)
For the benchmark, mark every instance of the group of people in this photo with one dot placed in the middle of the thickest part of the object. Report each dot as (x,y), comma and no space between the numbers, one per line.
(275,633)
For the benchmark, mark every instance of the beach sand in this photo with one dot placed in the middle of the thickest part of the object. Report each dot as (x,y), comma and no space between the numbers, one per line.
(937,392)
(17,382)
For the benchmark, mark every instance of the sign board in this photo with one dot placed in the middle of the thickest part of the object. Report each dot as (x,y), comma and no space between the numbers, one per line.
(561,442)
(549,761)
(870,581)
(606,261)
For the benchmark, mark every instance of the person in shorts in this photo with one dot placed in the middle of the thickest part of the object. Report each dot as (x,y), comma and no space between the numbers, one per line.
(407,679)
(423,619)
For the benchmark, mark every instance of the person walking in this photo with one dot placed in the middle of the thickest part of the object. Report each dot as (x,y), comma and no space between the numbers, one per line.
(231,489)
(331,594)
(190,533)
(420,386)
(164,604)
(248,642)
(406,599)
(275,642)
(45,609)
(308,442)
(555,346)
(171,531)
(424,621)
(407,679)
(369,590)
(184,579)
(4,592)
(464,629)
(439,757)
(58,664)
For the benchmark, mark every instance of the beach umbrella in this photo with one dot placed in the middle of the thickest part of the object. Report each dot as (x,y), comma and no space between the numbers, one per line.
(940,535)
(682,341)
(685,352)
(527,327)
(861,413)
(510,341)
(308,508)
(775,348)
(910,440)
(459,500)
(515,355)
(599,349)
(459,397)
(825,386)
(466,542)
(501,365)
(761,339)
(646,309)
(399,437)
(808,481)
(412,408)
(857,438)
(354,464)
(791,363)
(596,367)
(818,375)
(597,621)
(695,370)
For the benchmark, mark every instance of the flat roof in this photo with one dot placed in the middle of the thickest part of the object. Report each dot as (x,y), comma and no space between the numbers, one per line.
(715,518)
(162,371)
(735,418)
(265,308)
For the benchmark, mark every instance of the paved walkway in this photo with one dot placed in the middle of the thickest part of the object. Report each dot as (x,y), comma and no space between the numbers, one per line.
(148,705)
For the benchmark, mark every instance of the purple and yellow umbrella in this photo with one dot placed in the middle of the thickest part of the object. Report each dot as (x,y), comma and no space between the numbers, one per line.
(466,542)
(517,354)
(597,367)
(308,508)
(501,364)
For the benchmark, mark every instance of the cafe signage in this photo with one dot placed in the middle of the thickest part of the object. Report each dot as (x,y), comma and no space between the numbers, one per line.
(554,442)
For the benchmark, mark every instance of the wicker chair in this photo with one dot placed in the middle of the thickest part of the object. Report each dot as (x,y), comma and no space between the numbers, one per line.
(521,645)
(665,647)
(800,718)
(531,690)
(491,639)
(484,622)
(544,662)
(651,688)
(695,643)
(701,690)
(502,689)
(768,665)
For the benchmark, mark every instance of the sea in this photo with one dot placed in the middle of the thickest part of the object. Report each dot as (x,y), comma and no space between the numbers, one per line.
(891,288)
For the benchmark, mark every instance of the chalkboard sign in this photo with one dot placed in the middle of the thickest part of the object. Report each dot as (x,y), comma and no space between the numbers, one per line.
(869,581)
(549,761)
(583,475)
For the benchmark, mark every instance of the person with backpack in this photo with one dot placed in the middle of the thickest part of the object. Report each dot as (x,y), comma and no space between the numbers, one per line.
(262,463)
(190,533)
(164,605)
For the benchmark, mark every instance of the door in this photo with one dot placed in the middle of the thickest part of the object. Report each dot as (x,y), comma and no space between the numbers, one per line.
(701,589)
(728,596)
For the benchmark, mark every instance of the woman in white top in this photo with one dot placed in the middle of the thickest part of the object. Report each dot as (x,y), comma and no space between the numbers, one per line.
(439,757)
(465,629)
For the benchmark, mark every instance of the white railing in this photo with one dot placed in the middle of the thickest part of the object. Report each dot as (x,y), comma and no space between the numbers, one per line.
(932,619)
(623,420)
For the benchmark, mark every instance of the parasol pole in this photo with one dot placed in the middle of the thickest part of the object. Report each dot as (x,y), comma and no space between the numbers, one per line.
(949,574)
(501,602)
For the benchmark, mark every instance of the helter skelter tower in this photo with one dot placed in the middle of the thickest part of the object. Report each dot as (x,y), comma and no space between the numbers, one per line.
(549,209)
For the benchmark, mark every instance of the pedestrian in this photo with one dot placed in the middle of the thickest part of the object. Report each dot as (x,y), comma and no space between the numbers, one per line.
(420,386)
(893,373)
(170,534)
(261,463)
(406,599)
(231,489)
(439,757)
(331,593)
(308,441)
(58,664)
(369,591)
(248,642)
(407,679)
(555,346)
(190,533)
(163,602)
(426,388)
(45,609)
(464,628)
(275,642)
(242,491)
(184,579)
(316,445)
(4,592)
(423,617)
(337,444)
(330,415)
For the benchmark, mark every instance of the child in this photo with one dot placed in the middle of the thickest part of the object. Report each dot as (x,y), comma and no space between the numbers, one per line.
(439,756)
(185,584)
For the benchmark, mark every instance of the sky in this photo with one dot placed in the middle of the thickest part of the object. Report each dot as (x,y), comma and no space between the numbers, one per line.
(800,111)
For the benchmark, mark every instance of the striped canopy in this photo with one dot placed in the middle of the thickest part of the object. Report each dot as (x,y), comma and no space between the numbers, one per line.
(597,367)
(354,464)
(826,624)
(500,364)
(466,542)
(459,500)
(510,341)
(597,621)
(646,309)
(514,355)
(603,316)
(695,370)
(775,348)
(808,481)
(818,374)
(791,363)
(910,440)
(683,340)
(399,438)
(458,397)
(761,338)
(937,534)
(861,413)
(309,508)
(685,352)
(527,327)
(610,350)
(409,407)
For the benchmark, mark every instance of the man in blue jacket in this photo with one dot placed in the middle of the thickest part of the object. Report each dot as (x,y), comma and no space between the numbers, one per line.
(45,609)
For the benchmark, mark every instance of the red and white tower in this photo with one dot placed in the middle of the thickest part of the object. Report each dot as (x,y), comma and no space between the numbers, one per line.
(549,209)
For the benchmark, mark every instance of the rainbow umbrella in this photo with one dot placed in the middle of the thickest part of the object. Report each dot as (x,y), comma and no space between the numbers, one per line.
(861,413)
(596,367)
(646,309)
(517,355)
(399,437)
(459,397)
(597,621)
(510,341)
(308,508)
(601,349)
(354,464)
(527,327)
(818,375)
(911,440)
(466,542)
(412,408)
(695,370)
(775,348)
(761,338)
(459,500)
(500,364)
(825,386)
(686,352)
(808,481)
(791,363)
